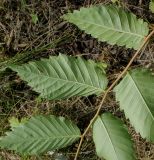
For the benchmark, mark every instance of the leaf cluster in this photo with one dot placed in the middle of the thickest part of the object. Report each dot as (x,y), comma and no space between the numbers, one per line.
(61,77)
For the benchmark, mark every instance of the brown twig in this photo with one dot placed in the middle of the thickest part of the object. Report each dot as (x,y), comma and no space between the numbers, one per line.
(109,89)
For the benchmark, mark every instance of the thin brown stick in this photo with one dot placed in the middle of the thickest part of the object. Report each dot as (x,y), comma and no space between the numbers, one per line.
(109,89)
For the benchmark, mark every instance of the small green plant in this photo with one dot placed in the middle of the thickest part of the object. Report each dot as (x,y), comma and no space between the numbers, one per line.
(34,18)
(61,77)
(151,6)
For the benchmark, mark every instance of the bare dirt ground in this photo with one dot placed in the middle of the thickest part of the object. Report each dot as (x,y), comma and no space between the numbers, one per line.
(30,30)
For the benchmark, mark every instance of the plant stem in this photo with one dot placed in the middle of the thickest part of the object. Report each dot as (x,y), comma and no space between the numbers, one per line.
(109,89)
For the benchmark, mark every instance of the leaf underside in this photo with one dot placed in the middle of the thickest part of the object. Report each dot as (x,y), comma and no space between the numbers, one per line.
(135,93)
(111,24)
(111,139)
(41,134)
(63,77)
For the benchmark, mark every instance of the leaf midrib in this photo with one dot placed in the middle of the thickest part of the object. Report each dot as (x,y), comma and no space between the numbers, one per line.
(108,135)
(142,97)
(113,29)
(51,138)
(68,81)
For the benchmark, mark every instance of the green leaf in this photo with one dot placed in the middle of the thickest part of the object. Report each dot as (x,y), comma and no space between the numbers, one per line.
(23,4)
(14,122)
(135,94)
(34,18)
(41,134)
(112,139)
(151,6)
(63,77)
(111,24)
